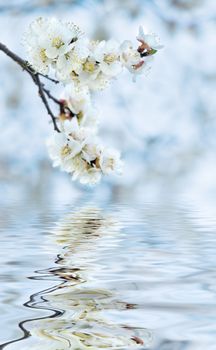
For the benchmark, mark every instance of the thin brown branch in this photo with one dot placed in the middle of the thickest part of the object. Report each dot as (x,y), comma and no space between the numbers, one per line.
(54,99)
(22,63)
(49,78)
(36,78)
(43,98)
(61,103)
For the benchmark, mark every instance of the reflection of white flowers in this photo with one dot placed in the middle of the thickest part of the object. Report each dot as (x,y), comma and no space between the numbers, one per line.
(84,331)
(83,65)
(86,323)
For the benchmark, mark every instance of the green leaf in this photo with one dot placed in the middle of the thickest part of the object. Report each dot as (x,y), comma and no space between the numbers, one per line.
(152,52)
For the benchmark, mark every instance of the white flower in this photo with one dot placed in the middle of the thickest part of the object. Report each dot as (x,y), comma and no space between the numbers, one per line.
(83,171)
(76,166)
(107,54)
(100,82)
(151,39)
(90,63)
(132,60)
(35,33)
(91,74)
(88,74)
(91,176)
(48,39)
(91,152)
(37,56)
(110,162)
(39,60)
(129,55)
(69,65)
(79,102)
(61,149)
(90,67)
(75,132)
(90,118)
(81,48)
(59,38)
(78,99)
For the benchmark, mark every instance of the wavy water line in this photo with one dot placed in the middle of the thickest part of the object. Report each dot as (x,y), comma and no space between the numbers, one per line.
(81,232)
(34,303)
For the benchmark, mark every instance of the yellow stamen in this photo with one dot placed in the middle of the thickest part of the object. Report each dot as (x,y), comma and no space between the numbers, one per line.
(57,42)
(43,55)
(110,58)
(97,163)
(65,151)
(89,67)
(64,117)
(80,116)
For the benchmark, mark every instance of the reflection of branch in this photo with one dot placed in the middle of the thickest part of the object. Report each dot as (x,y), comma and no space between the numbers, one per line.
(43,93)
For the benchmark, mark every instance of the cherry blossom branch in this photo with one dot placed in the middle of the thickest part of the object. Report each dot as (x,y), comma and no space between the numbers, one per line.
(82,68)
(43,93)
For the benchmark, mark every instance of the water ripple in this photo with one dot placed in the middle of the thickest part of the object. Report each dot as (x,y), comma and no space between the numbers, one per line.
(117,278)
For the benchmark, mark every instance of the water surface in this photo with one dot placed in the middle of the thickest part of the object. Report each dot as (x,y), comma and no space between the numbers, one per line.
(112,276)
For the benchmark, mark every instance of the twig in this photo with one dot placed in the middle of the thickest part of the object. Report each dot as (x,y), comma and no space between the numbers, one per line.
(22,63)
(63,106)
(48,78)
(58,102)
(36,78)
(43,97)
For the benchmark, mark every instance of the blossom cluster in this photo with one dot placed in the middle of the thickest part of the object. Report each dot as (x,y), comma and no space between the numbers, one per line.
(83,65)
(77,149)
(53,44)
